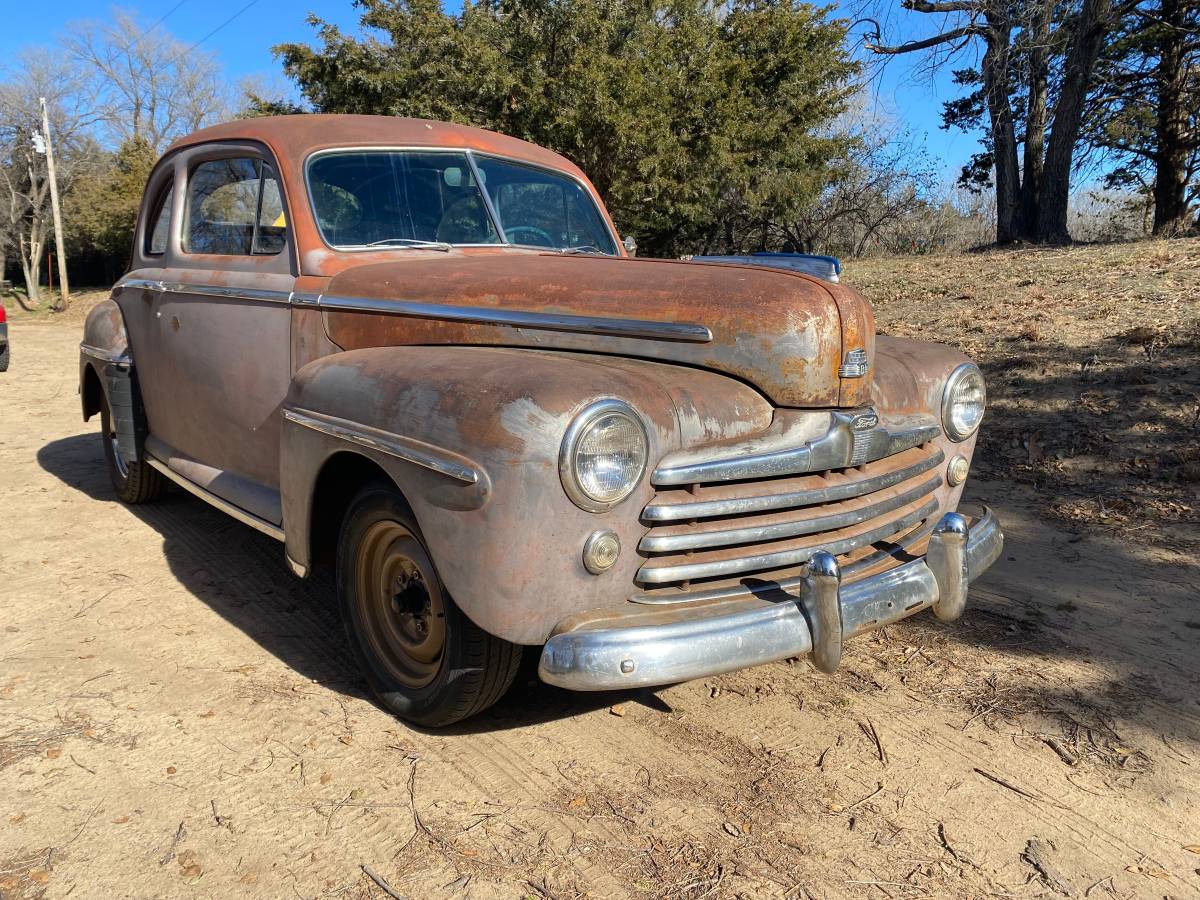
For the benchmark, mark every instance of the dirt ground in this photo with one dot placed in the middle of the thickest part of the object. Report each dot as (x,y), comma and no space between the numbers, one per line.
(179,716)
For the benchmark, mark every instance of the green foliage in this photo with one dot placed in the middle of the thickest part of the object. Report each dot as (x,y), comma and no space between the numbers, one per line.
(696,122)
(101,208)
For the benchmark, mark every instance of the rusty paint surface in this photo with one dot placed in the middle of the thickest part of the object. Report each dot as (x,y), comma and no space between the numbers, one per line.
(506,411)
(785,332)
(217,372)
(777,330)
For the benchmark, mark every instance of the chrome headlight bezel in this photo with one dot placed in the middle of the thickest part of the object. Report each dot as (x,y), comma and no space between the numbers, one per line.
(953,384)
(575,433)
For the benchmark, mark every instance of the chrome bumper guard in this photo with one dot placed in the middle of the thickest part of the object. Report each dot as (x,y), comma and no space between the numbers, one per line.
(738,634)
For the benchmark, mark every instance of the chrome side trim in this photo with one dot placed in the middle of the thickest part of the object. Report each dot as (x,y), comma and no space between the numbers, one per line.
(733,635)
(783,558)
(213,500)
(145,284)
(846,443)
(666,543)
(476,315)
(663,511)
(482,315)
(209,290)
(408,449)
(108,356)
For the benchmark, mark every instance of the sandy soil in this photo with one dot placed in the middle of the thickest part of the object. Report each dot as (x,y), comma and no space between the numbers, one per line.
(179,718)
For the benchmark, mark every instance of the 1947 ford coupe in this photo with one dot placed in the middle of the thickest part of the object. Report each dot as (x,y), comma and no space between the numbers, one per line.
(420,353)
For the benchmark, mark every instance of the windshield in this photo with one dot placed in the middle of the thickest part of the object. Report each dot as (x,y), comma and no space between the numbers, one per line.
(411,198)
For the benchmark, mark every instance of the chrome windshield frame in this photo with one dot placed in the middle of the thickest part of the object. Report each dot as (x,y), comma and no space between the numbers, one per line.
(489,206)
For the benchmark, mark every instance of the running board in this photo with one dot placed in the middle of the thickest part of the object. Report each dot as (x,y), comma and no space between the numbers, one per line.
(213,500)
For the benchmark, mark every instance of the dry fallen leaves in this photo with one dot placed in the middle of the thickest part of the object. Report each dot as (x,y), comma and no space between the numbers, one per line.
(190,864)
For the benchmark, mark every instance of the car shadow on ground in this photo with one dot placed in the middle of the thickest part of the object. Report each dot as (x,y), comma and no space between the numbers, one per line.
(242,576)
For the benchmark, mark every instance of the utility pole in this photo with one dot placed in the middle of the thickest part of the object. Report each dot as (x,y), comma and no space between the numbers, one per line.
(59,245)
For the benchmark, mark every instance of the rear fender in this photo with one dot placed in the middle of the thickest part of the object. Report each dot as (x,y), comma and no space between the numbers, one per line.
(106,373)
(471,437)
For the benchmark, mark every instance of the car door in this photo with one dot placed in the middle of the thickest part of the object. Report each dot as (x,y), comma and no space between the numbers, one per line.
(212,337)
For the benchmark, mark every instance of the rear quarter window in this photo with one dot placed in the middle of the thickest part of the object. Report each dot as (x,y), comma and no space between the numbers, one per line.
(160,230)
(234,208)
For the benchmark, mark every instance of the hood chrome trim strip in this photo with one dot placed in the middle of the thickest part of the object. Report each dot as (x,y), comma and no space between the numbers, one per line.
(484,315)
(475,315)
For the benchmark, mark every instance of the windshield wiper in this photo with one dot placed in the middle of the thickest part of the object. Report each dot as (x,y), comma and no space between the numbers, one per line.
(411,242)
(584,248)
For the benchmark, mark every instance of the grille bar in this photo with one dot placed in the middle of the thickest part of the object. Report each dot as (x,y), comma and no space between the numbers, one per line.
(830,521)
(896,549)
(783,558)
(663,510)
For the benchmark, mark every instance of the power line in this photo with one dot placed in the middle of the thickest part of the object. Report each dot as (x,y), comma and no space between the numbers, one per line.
(163,17)
(219,27)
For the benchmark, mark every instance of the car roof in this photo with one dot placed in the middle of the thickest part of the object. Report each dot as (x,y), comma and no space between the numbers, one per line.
(293,138)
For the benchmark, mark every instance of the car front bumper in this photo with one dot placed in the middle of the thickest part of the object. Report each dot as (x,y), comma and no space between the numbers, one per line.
(692,642)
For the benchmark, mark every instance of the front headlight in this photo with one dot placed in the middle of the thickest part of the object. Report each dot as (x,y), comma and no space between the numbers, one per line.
(603,455)
(963,402)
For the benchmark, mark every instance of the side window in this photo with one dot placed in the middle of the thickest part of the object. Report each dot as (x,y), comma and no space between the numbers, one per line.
(271,235)
(156,238)
(234,208)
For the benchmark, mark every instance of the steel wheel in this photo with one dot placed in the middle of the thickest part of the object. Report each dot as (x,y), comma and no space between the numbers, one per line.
(400,600)
(134,482)
(424,659)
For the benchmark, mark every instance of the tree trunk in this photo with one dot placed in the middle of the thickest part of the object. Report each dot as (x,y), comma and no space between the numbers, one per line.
(1055,190)
(32,291)
(1171,125)
(31,263)
(1035,120)
(1004,140)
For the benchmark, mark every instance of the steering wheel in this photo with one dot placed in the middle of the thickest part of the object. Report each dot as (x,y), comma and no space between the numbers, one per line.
(544,238)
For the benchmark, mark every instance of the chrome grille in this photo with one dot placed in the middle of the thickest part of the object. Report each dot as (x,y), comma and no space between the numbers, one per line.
(707,535)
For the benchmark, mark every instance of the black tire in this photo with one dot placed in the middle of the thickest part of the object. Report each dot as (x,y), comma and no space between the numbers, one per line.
(4,358)
(426,661)
(134,482)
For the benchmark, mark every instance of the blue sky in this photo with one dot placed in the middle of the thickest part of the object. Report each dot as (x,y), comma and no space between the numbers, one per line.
(244,45)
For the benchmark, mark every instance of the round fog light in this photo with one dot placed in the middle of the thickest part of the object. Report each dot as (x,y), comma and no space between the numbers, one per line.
(601,551)
(956,472)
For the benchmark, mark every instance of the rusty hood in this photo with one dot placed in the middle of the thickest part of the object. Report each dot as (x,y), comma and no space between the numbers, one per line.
(785,333)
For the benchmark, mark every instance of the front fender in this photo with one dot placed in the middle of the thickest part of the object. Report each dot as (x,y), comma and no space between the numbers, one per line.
(910,376)
(508,544)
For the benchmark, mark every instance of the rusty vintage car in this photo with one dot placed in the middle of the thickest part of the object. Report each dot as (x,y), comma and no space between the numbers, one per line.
(420,353)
